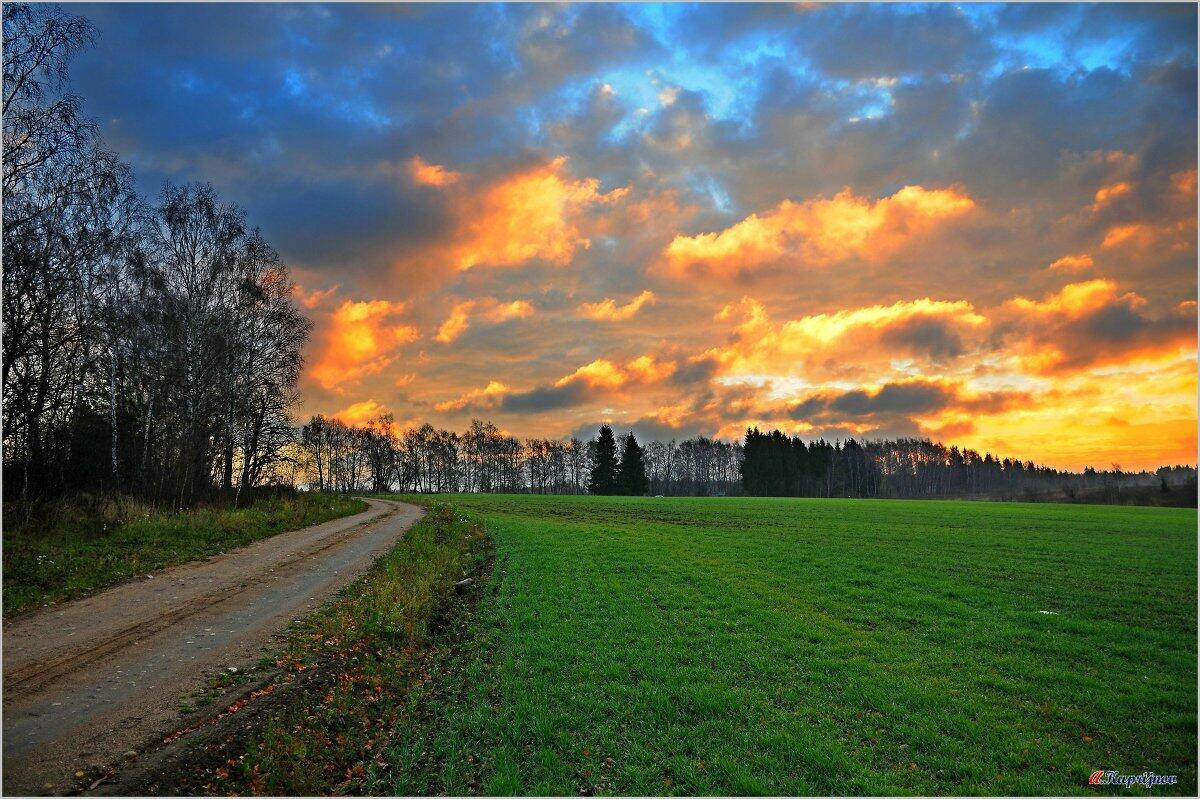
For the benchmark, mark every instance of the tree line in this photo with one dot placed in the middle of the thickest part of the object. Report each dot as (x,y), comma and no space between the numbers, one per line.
(149,347)
(775,464)
(375,456)
(335,456)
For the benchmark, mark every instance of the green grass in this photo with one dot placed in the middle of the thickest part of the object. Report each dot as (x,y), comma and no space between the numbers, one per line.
(721,646)
(60,550)
(353,675)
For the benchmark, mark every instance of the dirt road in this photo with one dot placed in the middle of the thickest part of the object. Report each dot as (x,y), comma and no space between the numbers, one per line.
(89,680)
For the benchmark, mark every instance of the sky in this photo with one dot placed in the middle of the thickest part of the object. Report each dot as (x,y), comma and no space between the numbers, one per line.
(975,223)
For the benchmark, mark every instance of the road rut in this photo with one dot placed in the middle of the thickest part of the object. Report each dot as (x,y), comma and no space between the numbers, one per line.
(88,680)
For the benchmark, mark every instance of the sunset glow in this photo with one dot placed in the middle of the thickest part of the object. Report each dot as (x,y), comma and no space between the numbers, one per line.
(978,225)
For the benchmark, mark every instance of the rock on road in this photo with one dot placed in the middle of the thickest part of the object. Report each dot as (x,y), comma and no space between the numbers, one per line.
(86,681)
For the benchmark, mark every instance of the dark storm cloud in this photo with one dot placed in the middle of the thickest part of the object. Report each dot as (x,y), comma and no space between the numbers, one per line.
(696,371)
(895,403)
(903,40)
(546,398)
(902,398)
(933,337)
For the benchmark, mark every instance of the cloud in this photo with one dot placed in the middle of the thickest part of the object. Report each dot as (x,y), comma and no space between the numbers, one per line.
(537,213)
(607,310)
(909,399)
(942,40)
(546,398)
(647,369)
(427,174)
(358,339)
(456,323)
(1094,323)
(649,428)
(703,411)
(1177,236)
(1105,195)
(697,370)
(484,398)
(819,232)
(359,413)
(1185,183)
(314,298)
(1073,263)
(599,374)
(847,341)
(594,380)
(487,309)
(604,375)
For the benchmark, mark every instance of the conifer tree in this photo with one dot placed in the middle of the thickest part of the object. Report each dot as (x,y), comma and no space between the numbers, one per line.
(603,480)
(631,474)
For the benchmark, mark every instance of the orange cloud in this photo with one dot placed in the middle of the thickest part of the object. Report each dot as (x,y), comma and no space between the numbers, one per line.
(1184,182)
(820,231)
(1106,194)
(596,378)
(539,213)
(603,374)
(829,343)
(456,323)
(1175,236)
(1094,323)
(608,310)
(488,309)
(360,412)
(648,369)
(1073,299)
(480,398)
(311,299)
(430,174)
(517,309)
(1073,263)
(360,338)
(1120,234)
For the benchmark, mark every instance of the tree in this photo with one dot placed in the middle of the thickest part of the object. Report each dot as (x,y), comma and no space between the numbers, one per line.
(577,464)
(604,464)
(70,225)
(631,474)
(154,351)
(314,438)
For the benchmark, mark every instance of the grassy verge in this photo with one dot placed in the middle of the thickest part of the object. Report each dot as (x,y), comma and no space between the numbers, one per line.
(61,550)
(355,678)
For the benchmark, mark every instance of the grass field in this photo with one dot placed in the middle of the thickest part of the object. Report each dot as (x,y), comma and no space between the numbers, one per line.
(643,646)
(758,646)
(60,550)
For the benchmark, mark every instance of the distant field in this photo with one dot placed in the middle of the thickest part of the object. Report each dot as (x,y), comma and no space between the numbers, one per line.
(698,646)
